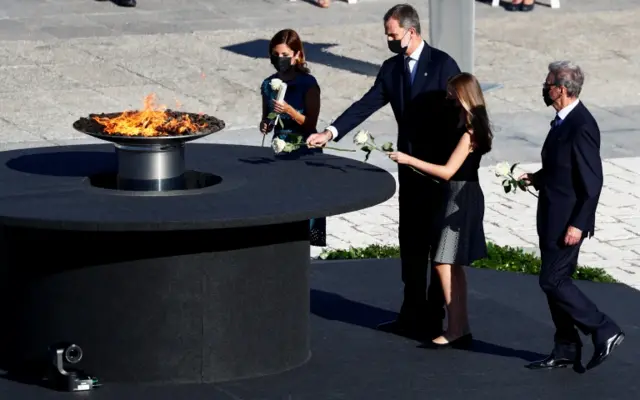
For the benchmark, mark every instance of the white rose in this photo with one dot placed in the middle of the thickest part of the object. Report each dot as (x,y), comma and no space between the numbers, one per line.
(278,145)
(502,169)
(276,84)
(361,138)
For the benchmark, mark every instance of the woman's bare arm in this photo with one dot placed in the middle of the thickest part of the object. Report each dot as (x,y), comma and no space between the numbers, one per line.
(452,166)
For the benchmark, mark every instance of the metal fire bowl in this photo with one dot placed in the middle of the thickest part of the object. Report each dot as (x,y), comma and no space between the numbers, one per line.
(91,127)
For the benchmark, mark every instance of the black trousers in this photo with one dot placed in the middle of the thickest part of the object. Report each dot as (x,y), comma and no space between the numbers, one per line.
(420,200)
(570,308)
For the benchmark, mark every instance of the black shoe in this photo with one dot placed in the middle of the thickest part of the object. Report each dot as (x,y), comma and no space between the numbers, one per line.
(463,342)
(603,350)
(527,7)
(125,3)
(513,7)
(553,362)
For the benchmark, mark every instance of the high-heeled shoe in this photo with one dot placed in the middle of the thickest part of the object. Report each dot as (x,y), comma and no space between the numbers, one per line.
(527,7)
(513,6)
(463,342)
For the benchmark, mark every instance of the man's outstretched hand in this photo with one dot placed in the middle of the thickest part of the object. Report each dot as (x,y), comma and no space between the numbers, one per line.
(319,139)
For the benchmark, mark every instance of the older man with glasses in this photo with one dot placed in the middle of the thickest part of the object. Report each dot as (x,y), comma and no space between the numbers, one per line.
(569,185)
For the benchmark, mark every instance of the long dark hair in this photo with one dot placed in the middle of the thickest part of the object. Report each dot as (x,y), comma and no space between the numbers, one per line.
(467,90)
(291,39)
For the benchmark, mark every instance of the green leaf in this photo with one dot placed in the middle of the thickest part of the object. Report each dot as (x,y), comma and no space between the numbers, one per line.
(295,138)
(290,147)
(367,148)
(272,115)
(507,188)
(513,167)
(366,157)
(387,146)
(521,185)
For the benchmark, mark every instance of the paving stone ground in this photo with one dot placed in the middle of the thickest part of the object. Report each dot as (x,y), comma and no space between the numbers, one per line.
(62,59)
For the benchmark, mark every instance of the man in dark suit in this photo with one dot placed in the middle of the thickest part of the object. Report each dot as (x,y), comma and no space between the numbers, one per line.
(569,185)
(414,82)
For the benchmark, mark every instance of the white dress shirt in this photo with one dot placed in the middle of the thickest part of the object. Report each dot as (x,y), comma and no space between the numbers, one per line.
(413,62)
(414,58)
(562,114)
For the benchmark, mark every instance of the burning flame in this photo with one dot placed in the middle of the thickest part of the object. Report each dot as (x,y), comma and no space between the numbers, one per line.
(152,120)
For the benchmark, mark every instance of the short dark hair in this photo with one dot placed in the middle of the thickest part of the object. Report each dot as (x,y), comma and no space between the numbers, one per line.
(406,15)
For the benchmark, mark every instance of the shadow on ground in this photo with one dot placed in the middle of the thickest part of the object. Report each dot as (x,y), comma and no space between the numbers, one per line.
(315,52)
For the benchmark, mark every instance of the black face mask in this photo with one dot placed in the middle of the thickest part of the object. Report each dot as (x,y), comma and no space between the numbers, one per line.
(547,97)
(395,46)
(281,64)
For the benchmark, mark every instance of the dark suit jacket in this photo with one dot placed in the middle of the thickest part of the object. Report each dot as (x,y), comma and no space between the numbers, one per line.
(422,121)
(570,180)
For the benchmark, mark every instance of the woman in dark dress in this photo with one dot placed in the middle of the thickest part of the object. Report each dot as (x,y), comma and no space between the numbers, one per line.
(299,111)
(462,239)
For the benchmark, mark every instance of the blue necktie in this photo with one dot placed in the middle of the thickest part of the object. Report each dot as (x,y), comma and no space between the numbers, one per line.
(556,122)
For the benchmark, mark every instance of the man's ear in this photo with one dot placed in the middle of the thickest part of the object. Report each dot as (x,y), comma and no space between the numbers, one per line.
(563,91)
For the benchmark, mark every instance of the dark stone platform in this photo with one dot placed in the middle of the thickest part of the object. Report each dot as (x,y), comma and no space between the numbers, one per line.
(351,360)
(48,188)
(204,285)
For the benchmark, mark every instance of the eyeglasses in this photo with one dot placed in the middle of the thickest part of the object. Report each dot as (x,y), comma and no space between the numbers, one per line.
(547,85)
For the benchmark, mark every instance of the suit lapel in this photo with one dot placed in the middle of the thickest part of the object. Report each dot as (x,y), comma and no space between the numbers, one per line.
(421,74)
(551,137)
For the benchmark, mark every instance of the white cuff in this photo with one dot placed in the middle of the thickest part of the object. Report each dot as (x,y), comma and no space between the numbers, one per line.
(334,132)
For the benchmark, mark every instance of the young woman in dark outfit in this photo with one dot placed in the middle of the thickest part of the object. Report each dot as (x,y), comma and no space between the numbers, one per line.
(462,239)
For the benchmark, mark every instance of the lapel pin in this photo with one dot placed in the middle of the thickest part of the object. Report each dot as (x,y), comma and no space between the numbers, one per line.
(425,74)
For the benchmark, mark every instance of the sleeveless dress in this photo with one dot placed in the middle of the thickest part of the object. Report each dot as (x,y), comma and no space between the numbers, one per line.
(296,91)
(462,240)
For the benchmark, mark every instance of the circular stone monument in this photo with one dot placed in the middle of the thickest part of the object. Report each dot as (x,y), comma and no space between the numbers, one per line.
(208,283)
